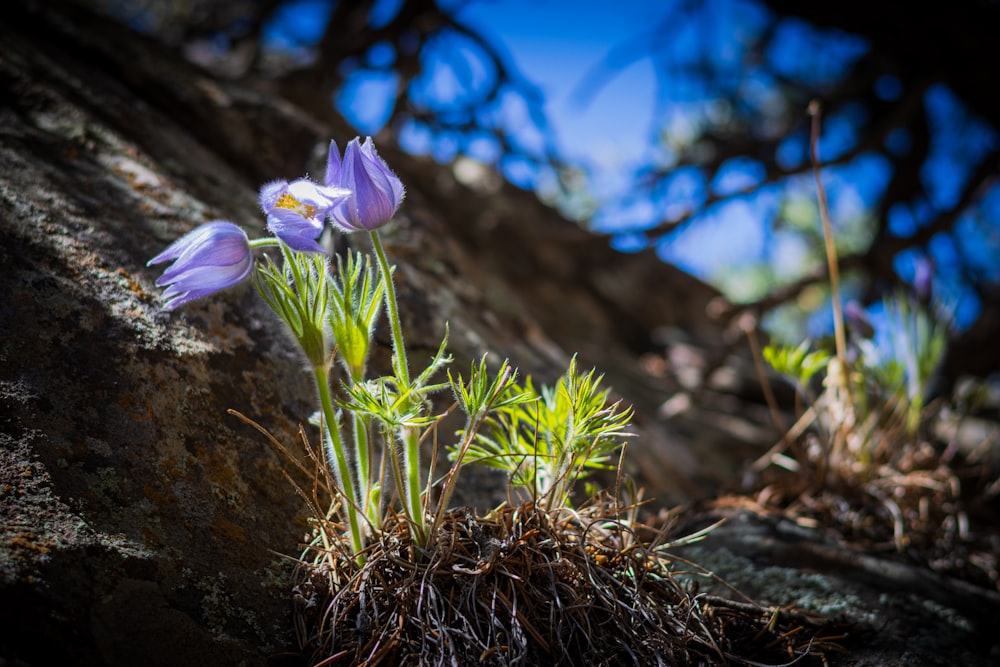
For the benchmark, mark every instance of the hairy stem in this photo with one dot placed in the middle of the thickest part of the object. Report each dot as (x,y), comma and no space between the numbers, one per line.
(399,348)
(411,440)
(410,495)
(331,428)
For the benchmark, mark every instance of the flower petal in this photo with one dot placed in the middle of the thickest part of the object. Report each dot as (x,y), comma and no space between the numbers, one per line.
(332,165)
(376,192)
(210,258)
(309,193)
(295,230)
(193,238)
(395,185)
(270,193)
(204,280)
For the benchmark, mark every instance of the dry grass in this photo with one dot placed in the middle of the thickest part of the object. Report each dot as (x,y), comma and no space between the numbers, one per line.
(916,501)
(526,587)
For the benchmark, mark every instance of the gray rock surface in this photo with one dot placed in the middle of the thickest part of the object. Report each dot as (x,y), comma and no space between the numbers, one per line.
(894,613)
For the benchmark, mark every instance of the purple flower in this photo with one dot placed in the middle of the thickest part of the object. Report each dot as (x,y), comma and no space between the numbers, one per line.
(376,192)
(923,280)
(858,320)
(296,211)
(209,258)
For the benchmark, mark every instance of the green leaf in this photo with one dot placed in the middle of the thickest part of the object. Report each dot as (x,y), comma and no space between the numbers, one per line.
(796,363)
(548,438)
(297,292)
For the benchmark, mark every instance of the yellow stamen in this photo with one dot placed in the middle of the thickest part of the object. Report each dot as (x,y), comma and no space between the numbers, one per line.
(292,204)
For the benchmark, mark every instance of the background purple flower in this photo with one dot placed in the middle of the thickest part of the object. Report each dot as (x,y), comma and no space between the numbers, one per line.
(923,280)
(376,192)
(210,258)
(858,320)
(296,211)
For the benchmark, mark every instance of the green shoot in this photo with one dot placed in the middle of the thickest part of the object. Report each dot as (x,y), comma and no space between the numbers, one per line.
(548,439)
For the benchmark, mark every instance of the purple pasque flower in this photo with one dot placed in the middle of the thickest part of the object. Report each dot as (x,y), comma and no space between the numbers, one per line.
(376,192)
(207,259)
(923,280)
(858,319)
(296,211)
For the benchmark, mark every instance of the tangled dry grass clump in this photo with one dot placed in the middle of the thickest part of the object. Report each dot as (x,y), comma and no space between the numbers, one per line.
(528,586)
(915,499)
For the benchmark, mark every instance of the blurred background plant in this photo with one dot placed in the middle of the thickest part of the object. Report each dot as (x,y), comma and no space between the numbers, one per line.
(863,455)
(873,452)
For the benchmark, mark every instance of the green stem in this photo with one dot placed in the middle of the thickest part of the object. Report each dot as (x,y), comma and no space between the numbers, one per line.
(390,303)
(411,438)
(839,336)
(332,427)
(472,426)
(363,455)
(364,467)
(267,242)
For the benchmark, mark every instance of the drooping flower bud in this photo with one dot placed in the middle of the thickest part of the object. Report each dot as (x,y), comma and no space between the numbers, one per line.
(208,259)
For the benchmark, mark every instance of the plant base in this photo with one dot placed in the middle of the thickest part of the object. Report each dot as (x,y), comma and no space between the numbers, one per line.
(525,586)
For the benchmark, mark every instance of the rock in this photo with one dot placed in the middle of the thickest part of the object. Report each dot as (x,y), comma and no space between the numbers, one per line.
(142,523)
(893,612)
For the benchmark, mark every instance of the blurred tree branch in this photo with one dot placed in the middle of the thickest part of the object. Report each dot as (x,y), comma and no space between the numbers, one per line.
(915,49)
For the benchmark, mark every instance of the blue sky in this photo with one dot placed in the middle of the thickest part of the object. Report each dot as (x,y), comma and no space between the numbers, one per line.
(555,44)
(555,48)
(559,46)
